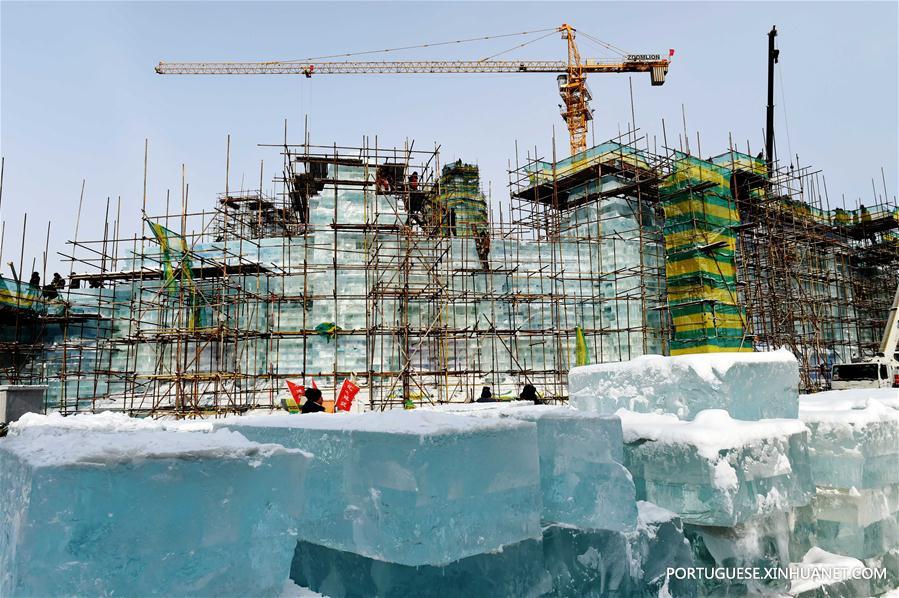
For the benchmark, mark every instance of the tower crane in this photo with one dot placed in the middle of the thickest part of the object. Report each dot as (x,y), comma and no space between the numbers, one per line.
(572,79)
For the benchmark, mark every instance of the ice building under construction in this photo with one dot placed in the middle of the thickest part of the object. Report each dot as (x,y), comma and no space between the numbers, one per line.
(389,268)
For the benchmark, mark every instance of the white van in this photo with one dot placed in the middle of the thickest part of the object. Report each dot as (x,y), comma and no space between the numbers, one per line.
(864,375)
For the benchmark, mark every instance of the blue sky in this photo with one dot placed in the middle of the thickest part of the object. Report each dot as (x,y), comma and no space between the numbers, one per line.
(78,94)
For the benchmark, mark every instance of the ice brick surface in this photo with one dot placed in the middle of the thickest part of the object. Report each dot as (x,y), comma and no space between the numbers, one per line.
(626,564)
(514,571)
(106,505)
(412,487)
(857,523)
(853,437)
(748,386)
(581,474)
(716,470)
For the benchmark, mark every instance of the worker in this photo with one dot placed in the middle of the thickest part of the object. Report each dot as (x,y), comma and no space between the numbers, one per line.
(314,402)
(866,223)
(841,217)
(74,283)
(382,185)
(58,281)
(35,280)
(482,245)
(95,283)
(413,181)
(529,393)
(865,214)
(486,396)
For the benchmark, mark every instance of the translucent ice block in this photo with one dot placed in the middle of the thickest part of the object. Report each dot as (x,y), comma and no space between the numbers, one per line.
(581,474)
(716,470)
(748,386)
(103,505)
(515,570)
(582,478)
(763,543)
(626,564)
(853,439)
(412,487)
(857,523)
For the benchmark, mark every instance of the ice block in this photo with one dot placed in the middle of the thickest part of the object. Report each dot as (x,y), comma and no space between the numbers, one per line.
(582,478)
(620,564)
(107,505)
(516,570)
(853,439)
(411,487)
(748,386)
(857,523)
(717,470)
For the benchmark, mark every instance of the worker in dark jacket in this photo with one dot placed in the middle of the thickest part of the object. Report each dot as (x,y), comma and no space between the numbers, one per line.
(486,396)
(313,402)
(529,393)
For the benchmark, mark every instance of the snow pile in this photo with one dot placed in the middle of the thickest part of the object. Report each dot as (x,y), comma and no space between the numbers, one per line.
(748,386)
(821,573)
(102,505)
(716,470)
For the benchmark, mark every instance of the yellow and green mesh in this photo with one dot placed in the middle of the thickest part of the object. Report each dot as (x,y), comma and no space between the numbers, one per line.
(20,295)
(700,244)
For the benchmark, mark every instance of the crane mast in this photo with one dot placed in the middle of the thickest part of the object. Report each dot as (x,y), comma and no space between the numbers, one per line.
(572,79)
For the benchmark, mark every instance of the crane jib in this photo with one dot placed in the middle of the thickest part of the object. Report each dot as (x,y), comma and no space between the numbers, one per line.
(431,67)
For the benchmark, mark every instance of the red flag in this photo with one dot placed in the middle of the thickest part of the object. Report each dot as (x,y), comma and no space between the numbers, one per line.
(348,391)
(670,52)
(313,383)
(296,390)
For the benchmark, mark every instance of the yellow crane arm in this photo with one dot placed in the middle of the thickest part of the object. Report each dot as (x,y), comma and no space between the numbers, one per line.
(656,67)
(572,74)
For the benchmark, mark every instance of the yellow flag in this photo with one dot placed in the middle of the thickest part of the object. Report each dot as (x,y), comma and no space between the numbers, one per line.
(581,356)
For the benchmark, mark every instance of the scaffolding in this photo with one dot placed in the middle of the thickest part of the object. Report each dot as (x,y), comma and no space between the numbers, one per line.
(351,267)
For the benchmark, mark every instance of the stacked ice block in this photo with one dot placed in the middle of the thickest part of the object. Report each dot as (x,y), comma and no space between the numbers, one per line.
(582,479)
(594,542)
(398,491)
(854,452)
(748,386)
(106,505)
(738,474)
(716,470)
(597,562)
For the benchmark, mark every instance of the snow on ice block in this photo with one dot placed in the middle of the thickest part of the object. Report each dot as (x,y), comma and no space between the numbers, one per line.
(583,480)
(411,487)
(853,437)
(515,570)
(823,574)
(473,408)
(716,470)
(748,386)
(609,563)
(107,505)
(857,523)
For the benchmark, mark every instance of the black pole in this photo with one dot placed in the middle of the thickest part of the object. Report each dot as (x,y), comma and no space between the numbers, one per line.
(769,126)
